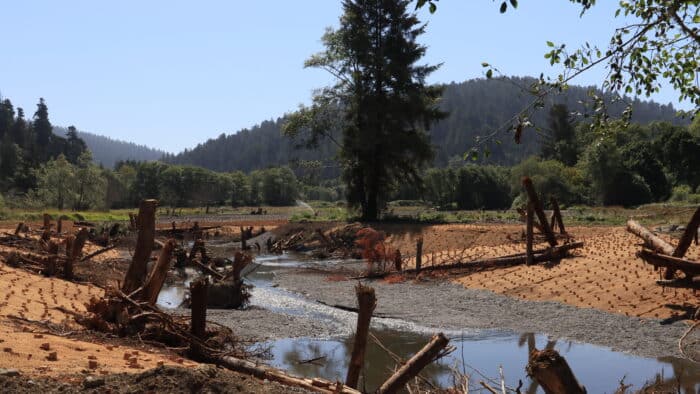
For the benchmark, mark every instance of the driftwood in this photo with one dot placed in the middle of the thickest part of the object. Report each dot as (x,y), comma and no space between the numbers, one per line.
(146,225)
(537,206)
(414,365)
(366,301)
(552,373)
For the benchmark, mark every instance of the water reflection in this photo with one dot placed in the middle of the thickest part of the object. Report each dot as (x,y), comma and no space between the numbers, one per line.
(599,369)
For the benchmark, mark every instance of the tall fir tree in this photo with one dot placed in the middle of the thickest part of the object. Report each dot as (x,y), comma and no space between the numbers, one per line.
(42,130)
(387,106)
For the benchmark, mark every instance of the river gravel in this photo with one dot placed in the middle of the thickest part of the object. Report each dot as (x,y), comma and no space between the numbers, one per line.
(446,306)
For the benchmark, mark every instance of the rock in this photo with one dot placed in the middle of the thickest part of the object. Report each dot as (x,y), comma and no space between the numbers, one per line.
(9,372)
(92,382)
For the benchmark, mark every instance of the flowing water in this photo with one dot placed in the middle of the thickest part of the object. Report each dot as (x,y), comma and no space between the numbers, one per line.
(478,353)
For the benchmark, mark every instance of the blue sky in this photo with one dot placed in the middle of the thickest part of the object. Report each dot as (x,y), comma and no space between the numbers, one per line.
(170,74)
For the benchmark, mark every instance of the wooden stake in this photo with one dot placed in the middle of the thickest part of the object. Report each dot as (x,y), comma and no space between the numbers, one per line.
(366,302)
(155,280)
(419,254)
(552,373)
(59,225)
(691,231)
(414,365)
(47,222)
(532,195)
(529,234)
(557,216)
(198,291)
(146,225)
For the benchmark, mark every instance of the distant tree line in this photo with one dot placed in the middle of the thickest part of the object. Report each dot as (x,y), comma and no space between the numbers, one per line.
(27,144)
(476,108)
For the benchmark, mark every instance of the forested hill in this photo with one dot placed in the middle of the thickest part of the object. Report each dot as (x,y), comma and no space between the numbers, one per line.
(476,107)
(108,151)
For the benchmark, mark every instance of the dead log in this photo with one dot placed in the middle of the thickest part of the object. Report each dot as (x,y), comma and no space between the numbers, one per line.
(198,294)
(550,254)
(551,371)
(414,365)
(265,372)
(366,302)
(146,225)
(683,283)
(557,216)
(98,252)
(208,269)
(155,280)
(650,240)
(532,195)
(529,235)
(691,231)
(689,267)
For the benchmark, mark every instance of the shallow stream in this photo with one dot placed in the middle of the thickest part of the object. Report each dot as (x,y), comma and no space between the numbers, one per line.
(478,352)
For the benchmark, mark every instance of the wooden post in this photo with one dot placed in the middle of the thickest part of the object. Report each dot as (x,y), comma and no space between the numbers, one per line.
(50,268)
(529,234)
(532,195)
(366,302)
(47,222)
(243,239)
(155,280)
(419,253)
(59,225)
(19,228)
(146,225)
(80,239)
(198,293)
(557,216)
(414,365)
(552,373)
(68,264)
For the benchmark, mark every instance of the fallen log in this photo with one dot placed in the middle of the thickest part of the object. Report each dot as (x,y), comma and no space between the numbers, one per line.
(146,224)
(98,252)
(537,206)
(552,373)
(208,269)
(539,256)
(264,372)
(650,240)
(681,283)
(366,302)
(414,365)
(689,267)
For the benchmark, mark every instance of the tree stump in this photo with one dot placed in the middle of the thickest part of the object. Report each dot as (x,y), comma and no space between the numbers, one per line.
(552,372)
(146,225)
(366,302)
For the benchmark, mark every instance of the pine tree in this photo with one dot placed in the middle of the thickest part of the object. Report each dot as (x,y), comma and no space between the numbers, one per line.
(387,106)
(43,130)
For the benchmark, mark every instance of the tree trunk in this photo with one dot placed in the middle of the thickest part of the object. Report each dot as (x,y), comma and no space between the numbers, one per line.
(198,292)
(155,280)
(146,224)
(414,365)
(366,302)
(532,195)
(552,372)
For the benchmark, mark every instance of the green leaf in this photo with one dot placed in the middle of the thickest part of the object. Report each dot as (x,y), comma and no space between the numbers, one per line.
(432,8)
(550,44)
(514,3)
(484,64)
(504,7)
(489,73)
